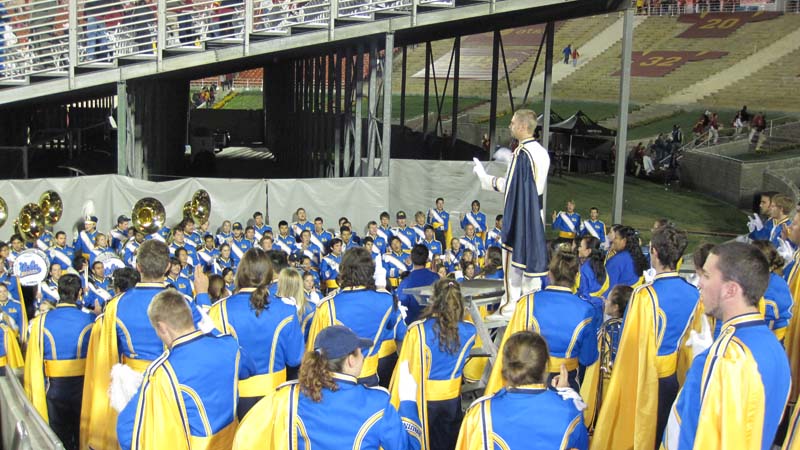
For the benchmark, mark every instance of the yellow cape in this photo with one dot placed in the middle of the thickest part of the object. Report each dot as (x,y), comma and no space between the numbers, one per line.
(418,356)
(13,354)
(627,418)
(792,441)
(161,421)
(476,427)
(792,339)
(34,368)
(519,322)
(269,425)
(98,418)
(732,411)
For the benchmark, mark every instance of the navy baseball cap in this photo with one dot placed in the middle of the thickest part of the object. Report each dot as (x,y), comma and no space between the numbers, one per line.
(237,226)
(401,214)
(339,341)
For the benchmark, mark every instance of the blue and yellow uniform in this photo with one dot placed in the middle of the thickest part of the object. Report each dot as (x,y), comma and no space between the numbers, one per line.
(493,238)
(49,290)
(312,252)
(434,248)
(123,334)
(238,248)
(99,292)
(592,290)
(396,264)
(181,284)
(10,353)
(44,241)
(220,264)
(777,229)
(206,258)
(364,418)
(118,238)
(187,399)
(439,220)
(97,252)
(260,231)
(368,313)
(272,338)
(416,278)
(764,233)
(568,225)
(777,306)
(437,373)
(644,381)
(321,239)
(191,250)
(379,245)
(475,244)
(55,367)
(565,322)
(16,309)
(329,271)
(407,236)
(129,254)
(62,256)
(527,416)
(195,239)
(84,242)
(385,232)
(285,243)
(298,228)
(594,228)
(621,269)
(223,238)
(478,220)
(735,391)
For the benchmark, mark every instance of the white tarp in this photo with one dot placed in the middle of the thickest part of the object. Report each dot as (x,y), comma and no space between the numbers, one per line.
(413,186)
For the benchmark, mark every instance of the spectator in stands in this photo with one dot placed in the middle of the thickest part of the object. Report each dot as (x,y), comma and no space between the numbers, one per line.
(638,156)
(575,56)
(42,32)
(698,130)
(737,123)
(138,16)
(185,22)
(567,53)
(97,45)
(677,134)
(713,129)
(759,125)
(745,116)
(647,161)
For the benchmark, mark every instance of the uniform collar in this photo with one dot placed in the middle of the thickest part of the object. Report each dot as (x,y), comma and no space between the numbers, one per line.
(247,289)
(354,288)
(160,285)
(743,319)
(558,288)
(525,141)
(670,274)
(67,305)
(186,338)
(343,378)
(535,388)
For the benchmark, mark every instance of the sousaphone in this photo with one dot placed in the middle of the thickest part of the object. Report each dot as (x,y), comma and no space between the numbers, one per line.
(199,207)
(52,207)
(31,222)
(3,212)
(148,215)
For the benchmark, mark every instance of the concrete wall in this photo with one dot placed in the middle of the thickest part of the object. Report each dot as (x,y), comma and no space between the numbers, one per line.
(782,180)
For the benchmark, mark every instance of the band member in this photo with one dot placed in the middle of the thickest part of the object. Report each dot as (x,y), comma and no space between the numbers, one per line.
(208,253)
(284,241)
(792,276)
(224,236)
(13,310)
(48,289)
(239,245)
(396,262)
(86,237)
(44,241)
(434,247)
(224,260)
(320,236)
(60,253)
(562,318)
(99,289)
(493,236)
(780,209)
(593,226)
(261,229)
(419,276)
(628,263)
(119,234)
(179,241)
(329,268)
(306,248)
(301,224)
(384,230)
(567,223)
(131,248)
(194,238)
(55,362)
(378,242)
(177,280)
(777,302)
(407,236)
(436,349)
(359,306)
(348,238)
(592,279)
(440,220)
(10,353)
(746,366)
(761,229)
(476,218)
(100,247)
(419,226)
(192,383)
(123,334)
(523,235)
(473,242)
(644,381)
(328,390)
(268,330)
(525,411)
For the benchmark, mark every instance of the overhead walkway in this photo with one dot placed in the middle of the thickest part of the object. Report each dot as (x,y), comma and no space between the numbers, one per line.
(63,48)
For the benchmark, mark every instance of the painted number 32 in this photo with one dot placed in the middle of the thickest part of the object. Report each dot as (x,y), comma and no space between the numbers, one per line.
(660,61)
(722,24)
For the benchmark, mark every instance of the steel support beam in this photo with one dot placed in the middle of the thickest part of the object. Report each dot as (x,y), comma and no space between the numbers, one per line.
(426,95)
(456,74)
(388,63)
(622,127)
(122,128)
(359,74)
(493,100)
(548,97)
(372,115)
(403,88)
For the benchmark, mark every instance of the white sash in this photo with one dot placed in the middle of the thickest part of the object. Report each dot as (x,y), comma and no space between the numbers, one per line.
(42,246)
(86,241)
(315,240)
(283,246)
(118,235)
(52,293)
(332,264)
(158,237)
(474,222)
(100,292)
(591,229)
(375,249)
(493,236)
(391,259)
(258,235)
(467,243)
(237,251)
(205,257)
(403,238)
(189,243)
(221,238)
(565,218)
(218,268)
(420,234)
(437,217)
(383,234)
(62,258)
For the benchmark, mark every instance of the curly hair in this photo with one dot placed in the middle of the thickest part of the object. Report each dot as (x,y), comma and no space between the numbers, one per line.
(632,246)
(596,258)
(670,243)
(315,374)
(775,260)
(447,309)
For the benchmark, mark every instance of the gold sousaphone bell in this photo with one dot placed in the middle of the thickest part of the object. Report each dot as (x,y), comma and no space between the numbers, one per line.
(31,222)
(148,215)
(3,212)
(199,207)
(52,207)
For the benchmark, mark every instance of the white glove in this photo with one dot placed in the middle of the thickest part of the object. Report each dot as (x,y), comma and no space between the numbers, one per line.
(570,394)
(757,220)
(701,341)
(403,310)
(751,225)
(486,179)
(785,250)
(503,155)
(407,386)
(649,275)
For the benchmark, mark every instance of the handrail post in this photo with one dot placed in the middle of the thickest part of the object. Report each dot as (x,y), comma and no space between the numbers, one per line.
(73,40)
(334,7)
(161,38)
(248,25)
(414,5)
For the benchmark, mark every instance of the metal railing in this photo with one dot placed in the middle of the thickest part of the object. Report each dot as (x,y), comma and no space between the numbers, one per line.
(675,8)
(53,37)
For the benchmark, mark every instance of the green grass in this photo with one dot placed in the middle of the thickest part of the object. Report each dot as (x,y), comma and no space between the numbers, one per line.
(645,202)
(246,100)
(415,105)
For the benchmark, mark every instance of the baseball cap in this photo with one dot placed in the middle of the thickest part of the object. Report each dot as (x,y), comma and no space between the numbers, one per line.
(339,341)
(92,219)
(237,226)
(401,214)
(123,218)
